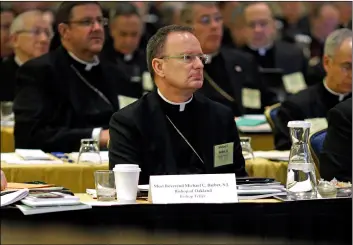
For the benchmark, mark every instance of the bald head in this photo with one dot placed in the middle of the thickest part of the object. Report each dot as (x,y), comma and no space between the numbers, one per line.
(30,35)
(260,25)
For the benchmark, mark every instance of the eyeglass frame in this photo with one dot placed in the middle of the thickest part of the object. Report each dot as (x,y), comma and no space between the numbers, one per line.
(36,32)
(183,57)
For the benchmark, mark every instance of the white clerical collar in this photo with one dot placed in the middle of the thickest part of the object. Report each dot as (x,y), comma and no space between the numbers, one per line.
(340,96)
(128,57)
(181,105)
(211,56)
(89,65)
(18,61)
(263,50)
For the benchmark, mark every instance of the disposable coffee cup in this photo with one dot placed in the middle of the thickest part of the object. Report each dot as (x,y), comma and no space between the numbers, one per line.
(126,182)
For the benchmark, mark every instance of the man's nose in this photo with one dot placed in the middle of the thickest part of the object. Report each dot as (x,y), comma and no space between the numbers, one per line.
(198,63)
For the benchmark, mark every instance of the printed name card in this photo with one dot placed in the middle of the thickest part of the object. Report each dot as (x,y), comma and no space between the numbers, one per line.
(205,188)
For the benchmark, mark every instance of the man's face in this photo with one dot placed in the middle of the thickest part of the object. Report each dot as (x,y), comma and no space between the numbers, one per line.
(339,68)
(34,39)
(260,26)
(179,73)
(85,29)
(126,32)
(208,27)
(6,19)
(327,21)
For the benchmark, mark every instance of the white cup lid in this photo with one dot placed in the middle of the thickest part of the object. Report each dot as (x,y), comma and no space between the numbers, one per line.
(299,124)
(127,167)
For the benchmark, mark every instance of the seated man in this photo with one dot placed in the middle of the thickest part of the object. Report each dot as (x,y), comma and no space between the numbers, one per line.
(68,94)
(336,156)
(231,76)
(30,38)
(318,99)
(174,130)
(126,29)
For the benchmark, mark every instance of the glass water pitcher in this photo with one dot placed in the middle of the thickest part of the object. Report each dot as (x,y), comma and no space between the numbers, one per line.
(301,179)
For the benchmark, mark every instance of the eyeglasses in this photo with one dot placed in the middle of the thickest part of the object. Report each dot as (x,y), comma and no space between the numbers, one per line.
(89,22)
(189,58)
(37,31)
(207,19)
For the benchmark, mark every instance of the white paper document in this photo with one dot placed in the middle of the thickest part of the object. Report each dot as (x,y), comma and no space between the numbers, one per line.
(13,158)
(32,154)
(13,197)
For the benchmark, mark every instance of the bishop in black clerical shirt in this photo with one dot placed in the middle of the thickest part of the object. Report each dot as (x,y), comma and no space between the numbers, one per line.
(175,130)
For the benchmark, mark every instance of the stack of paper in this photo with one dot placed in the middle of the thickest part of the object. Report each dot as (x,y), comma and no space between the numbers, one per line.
(257,191)
(25,157)
(13,197)
(46,202)
(28,210)
(32,154)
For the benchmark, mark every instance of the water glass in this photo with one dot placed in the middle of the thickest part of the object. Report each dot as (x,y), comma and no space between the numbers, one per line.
(245,143)
(6,111)
(105,185)
(89,152)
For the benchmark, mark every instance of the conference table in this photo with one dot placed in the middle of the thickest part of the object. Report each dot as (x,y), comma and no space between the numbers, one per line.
(78,177)
(326,221)
(260,141)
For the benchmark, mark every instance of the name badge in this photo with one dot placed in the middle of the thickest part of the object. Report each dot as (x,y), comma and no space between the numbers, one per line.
(203,188)
(147,83)
(223,154)
(251,98)
(125,101)
(293,83)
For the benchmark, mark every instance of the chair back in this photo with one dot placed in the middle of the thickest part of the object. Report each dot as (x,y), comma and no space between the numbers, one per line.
(271,114)
(316,142)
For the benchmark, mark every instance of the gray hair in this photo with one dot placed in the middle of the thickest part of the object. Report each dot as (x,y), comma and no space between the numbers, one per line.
(186,14)
(156,43)
(19,22)
(335,40)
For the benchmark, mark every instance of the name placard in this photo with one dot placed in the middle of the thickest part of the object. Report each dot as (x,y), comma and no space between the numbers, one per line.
(203,188)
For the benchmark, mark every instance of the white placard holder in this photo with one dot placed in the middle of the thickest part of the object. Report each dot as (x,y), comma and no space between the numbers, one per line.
(202,188)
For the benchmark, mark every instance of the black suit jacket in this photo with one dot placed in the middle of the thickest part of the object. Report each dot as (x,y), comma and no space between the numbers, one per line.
(313,102)
(133,88)
(8,70)
(54,109)
(138,135)
(242,72)
(290,58)
(336,156)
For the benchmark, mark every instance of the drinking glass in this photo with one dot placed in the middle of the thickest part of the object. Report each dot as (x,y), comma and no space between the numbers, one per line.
(245,143)
(89,152)
(6,111)
(105,185)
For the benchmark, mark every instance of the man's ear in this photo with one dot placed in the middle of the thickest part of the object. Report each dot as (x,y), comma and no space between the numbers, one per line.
(326,62)
(13,40)
(158,67)
(62,28)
